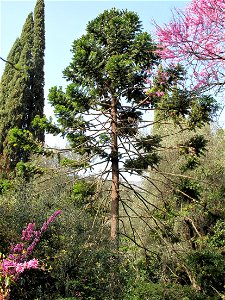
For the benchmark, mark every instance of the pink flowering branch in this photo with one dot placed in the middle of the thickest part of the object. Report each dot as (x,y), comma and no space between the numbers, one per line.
(17,261)
(195,38)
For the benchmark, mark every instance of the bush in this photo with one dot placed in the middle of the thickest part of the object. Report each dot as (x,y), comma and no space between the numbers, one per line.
(35,284)
(157,291)
(209,270)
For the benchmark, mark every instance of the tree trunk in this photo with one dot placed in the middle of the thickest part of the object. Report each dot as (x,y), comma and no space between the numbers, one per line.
(115,177)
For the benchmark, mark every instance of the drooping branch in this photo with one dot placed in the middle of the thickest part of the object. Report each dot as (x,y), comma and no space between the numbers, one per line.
(12,64)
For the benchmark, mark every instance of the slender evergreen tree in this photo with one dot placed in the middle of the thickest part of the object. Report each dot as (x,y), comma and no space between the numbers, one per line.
(38,67)
(6,80)
(21,91)
(18,92)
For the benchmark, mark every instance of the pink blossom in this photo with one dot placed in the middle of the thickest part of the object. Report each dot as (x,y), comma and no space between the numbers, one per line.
(18,248)
(195,38)
(16,262)
(20,267)
(31,264)
(159,94)
(8,266)
(44,227)
(28,233)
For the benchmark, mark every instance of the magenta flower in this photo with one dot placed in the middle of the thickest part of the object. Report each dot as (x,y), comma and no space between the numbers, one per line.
(28,233)
(16,262)
(31,264)
(18,248)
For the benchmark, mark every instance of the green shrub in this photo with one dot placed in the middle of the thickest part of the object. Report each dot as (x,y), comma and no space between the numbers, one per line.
(157,291)
(209,270)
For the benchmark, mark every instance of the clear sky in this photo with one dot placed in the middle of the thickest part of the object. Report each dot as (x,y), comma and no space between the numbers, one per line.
(66,21)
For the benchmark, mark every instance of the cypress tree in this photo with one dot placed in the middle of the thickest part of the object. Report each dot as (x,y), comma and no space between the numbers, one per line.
(20,85)
(38,59)
(21,92)
(17,93)
(6,80)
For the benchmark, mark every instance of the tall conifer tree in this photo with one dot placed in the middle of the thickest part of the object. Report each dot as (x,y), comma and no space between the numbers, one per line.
(17,92)
(103,110)
(38,59)
(5,83)
(21,92)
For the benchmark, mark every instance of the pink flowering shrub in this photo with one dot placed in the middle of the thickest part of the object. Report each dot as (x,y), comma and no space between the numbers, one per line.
(12,266)
(195,38)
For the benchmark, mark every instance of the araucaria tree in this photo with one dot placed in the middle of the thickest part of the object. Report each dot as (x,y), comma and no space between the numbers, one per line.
(195,38)
(100,110)
(106,106)
(21,93)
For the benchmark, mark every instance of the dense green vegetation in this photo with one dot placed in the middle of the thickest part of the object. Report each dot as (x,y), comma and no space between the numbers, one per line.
(168,238)
(177,246)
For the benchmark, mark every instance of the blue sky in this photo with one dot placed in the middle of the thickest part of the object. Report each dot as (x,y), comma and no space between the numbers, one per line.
(66,21)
